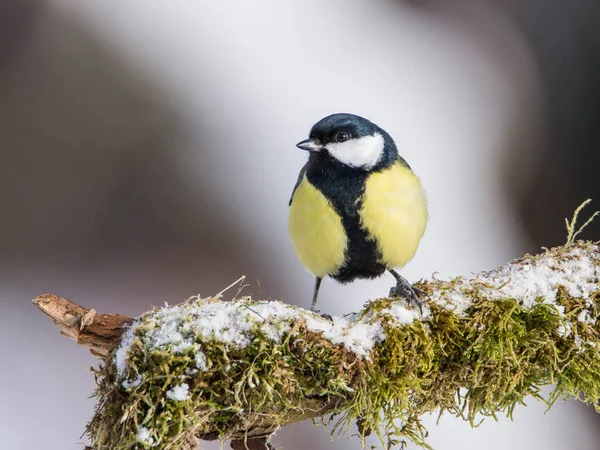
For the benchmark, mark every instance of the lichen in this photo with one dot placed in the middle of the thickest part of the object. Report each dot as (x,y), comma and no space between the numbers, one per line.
(182,374)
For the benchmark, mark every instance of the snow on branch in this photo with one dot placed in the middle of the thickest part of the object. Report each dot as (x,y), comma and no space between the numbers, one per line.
(241,369)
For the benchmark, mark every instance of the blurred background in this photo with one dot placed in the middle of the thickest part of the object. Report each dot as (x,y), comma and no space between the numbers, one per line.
(147,154)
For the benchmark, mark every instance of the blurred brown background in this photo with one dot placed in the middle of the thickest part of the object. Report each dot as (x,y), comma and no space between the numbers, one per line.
(147,154)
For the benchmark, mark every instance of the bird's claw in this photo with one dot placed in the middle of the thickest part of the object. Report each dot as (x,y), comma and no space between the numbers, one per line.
(324,316)
(409,292)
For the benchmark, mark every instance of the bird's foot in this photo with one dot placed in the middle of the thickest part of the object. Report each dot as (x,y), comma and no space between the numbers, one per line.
(409,292)
(324,316)
(327,317)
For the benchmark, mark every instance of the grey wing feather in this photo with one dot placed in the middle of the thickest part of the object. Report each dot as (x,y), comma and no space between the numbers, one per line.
(300,176)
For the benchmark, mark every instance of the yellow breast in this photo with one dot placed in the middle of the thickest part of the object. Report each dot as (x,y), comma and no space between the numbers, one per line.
(394,212)
(316,230)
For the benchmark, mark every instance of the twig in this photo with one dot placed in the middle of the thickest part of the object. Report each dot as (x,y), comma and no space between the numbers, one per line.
(99,332)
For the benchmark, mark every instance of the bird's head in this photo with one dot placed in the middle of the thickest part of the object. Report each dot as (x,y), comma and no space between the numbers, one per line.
(352,141)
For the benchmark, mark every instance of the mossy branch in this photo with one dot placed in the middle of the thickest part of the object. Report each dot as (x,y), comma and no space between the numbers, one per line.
(210,369)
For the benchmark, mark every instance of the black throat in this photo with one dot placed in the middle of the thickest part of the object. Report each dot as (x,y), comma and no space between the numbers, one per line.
(344,188)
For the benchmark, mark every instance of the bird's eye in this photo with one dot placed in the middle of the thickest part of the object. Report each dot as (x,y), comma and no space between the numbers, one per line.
(341,137)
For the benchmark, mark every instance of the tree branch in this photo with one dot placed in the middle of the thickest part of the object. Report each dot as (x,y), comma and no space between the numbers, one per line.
(239,370)
(99,332)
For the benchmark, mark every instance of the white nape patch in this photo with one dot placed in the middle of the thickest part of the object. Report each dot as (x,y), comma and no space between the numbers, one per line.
(363,152)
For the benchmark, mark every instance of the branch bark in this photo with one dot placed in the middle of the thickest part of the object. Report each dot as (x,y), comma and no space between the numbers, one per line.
(101,333)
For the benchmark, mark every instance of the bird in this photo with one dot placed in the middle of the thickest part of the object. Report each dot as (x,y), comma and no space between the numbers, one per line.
(357,209)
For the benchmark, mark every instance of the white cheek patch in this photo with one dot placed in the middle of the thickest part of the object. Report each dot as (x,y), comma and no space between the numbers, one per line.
(363,152)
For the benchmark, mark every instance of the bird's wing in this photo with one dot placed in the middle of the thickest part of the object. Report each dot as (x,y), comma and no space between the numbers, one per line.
(300,176)
(403,162)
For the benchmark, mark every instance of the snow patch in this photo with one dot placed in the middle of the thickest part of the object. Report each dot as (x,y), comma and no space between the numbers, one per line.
(358,337)
(536,280)
(128,384)
(178,328)
(143,436)
(565,329)
(179,393)
(404,316)
(539,280)
(584,317)
(122,353)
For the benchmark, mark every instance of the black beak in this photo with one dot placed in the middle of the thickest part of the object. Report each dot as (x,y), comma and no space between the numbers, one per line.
(309,145)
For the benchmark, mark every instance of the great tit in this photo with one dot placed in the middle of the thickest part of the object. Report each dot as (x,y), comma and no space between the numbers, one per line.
(357,209)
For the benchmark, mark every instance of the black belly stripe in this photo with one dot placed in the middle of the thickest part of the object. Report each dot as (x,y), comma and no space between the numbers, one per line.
(344,187)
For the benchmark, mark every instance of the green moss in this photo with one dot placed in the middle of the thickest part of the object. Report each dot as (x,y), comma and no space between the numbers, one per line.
(481,363)
(270,380)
